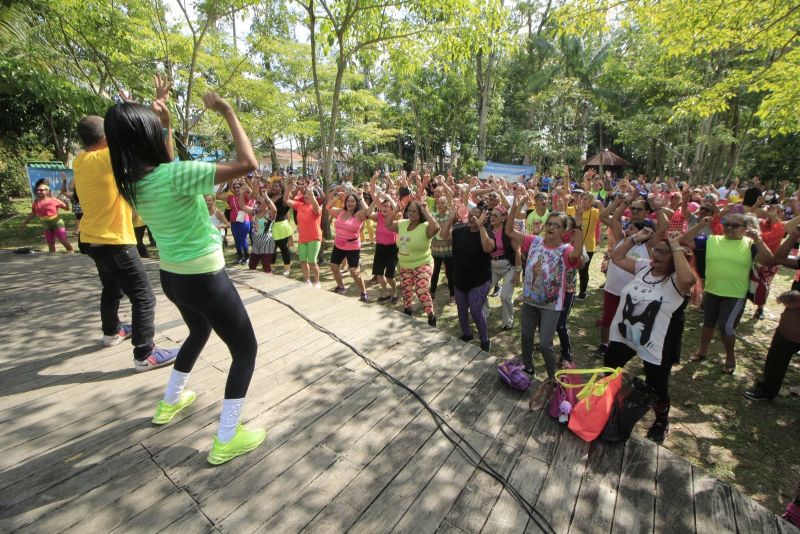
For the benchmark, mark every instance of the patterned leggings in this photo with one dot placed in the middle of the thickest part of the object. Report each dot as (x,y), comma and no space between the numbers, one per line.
(416,281)
(472,301)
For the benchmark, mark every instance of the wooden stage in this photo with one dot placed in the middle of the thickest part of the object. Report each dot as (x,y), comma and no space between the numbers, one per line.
(346,450)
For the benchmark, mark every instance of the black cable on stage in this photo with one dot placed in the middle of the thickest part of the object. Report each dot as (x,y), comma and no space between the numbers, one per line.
(459,441)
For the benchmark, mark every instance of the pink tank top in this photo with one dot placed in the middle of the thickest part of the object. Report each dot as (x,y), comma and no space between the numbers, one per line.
(347,237)
(382,235)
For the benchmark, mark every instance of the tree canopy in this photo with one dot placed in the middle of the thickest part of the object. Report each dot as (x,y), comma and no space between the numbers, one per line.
(704,90)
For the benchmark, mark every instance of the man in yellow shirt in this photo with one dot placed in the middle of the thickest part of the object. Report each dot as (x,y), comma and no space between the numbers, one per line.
(107,237)
(588,225)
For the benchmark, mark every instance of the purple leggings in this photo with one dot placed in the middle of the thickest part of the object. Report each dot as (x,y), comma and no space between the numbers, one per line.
(473,301)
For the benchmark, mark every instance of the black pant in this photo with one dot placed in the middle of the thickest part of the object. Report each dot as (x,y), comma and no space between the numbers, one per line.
(583,275)
(122,272)
(448,272)
(619,354)
(780,354)
(561,327)
(210,302)
(286,254)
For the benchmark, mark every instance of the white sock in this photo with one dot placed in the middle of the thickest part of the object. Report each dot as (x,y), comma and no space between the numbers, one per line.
(229,419)
(177,381)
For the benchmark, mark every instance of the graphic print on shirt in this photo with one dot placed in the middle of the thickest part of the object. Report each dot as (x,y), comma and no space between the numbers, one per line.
(638,319)
(544,273)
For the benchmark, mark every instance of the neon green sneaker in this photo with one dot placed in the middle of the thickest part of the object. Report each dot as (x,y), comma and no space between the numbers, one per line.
(243,442)
(165,412)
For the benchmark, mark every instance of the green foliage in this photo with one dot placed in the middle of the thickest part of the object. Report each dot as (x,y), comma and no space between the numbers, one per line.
(14,154)
(364,165)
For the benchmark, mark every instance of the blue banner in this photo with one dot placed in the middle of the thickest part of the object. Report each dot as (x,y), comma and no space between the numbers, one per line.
(52,171)
(503,170)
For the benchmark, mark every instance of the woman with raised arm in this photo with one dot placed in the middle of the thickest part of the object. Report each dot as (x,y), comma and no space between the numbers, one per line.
(649,320)
(544,283)
(309,216)
(384,264)
(414,236)
(472,271)
(347,244)
(169,196)
(263,217)
(46,208)
(505,259)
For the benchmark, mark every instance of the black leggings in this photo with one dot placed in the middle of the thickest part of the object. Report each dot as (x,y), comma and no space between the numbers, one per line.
(286,254)
(618,354)
(210,302)
(583,275)
(448,272)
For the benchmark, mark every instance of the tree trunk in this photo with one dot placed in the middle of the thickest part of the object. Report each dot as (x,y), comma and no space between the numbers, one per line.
(484,79)
(331,133)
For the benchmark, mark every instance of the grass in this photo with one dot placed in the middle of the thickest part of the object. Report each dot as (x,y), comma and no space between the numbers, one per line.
(752,446)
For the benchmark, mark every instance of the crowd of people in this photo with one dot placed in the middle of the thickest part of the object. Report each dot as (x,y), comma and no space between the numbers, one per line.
(668,244)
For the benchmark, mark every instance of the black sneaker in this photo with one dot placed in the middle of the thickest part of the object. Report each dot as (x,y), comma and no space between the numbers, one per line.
(431,320)
(395,299)
(755,394)
(466,338)
(658,432)
(408,312)
(486,345)
(507,327)
(580,297)
(384,298)
(496,291)
(759,315)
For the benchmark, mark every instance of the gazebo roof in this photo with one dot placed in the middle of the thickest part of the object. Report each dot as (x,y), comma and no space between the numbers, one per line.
(606,158)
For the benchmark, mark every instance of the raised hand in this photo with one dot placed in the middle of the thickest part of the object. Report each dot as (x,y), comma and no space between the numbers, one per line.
(752,233)
(643,235)
(215,102)
(160,108)
(163,87)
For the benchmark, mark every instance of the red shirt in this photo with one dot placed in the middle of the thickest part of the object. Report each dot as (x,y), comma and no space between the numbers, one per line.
(772,234)
(308,226)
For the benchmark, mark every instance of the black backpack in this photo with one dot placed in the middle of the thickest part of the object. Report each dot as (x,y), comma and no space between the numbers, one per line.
(633,400)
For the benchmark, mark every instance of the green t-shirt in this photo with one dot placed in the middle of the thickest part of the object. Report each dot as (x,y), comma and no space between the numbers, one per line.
(535,217)
(728,263)
(414,247)
(170,200)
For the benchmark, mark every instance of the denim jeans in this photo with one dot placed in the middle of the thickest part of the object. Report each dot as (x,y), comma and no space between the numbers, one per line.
(122,273)
(531,318)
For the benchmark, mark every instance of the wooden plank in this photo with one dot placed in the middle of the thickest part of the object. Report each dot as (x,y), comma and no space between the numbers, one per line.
(508,516)
(481,492)
(383,462)
(544,438)
(674,494)
(16,512)
(713,504)
(594,511)
(784,527)
(559,493)
(635,509)
(751,516)
(192,522)
(289,450)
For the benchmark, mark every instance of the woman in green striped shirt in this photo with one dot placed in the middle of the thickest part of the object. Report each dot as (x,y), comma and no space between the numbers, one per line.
(169,197)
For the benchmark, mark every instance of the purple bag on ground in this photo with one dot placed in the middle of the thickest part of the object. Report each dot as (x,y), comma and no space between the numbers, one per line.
(561,395)
(513,373)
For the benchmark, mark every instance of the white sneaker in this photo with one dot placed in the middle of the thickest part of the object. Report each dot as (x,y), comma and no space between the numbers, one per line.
(285,273)
(317,286)
(308,283)
(124,333)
